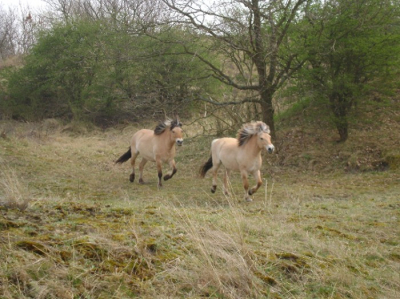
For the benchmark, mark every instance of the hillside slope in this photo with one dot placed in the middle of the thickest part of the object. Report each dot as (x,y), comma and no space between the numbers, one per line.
(308,141)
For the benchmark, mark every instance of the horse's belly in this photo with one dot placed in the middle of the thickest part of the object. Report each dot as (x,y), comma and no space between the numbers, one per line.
(225,151)
(148,156)
(145,150)
(229,160)
(152,155)
(235,165)
(230,164)
(236,160)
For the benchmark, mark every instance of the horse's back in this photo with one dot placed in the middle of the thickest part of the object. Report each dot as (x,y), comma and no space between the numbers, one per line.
(143,135)
(225,150)
(142,142)
(224,144)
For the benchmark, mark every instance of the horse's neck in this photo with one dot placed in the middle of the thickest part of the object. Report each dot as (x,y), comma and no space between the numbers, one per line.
(251,147)
(165,140)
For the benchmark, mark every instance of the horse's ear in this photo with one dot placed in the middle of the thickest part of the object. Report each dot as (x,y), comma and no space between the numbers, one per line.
(178,122)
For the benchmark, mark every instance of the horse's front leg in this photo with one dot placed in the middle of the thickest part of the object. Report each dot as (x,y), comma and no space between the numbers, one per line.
(173,170)
(245,180)
(257,177)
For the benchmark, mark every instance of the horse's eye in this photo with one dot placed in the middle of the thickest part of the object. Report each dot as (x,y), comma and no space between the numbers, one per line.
(261,138)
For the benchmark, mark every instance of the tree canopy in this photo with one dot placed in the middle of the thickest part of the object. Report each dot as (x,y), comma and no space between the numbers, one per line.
(104,60)
(349,44)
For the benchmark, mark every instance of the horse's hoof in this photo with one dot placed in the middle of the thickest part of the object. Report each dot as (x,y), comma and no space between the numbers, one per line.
(167,177)
(141,181)
(131,178)
(248,199)
(213,188)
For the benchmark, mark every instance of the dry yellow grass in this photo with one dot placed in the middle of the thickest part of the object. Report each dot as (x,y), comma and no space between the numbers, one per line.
(87,232)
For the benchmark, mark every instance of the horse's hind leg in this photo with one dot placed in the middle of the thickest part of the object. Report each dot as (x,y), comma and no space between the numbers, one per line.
(133,160)
(214,172)
(226,177)
(173,170)
(141,167)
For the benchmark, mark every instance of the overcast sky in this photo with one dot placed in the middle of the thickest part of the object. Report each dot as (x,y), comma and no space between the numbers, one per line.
(25,3)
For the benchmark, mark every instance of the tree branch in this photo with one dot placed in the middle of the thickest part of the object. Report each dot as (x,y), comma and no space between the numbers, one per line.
(246,100)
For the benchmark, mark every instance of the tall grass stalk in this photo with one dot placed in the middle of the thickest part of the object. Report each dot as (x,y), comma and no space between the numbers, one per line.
(16,195)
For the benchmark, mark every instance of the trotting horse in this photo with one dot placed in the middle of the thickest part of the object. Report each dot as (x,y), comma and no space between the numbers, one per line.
(156,146)
(242,153)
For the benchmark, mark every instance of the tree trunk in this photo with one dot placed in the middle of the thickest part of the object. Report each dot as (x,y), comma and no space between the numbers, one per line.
(267,111)
(339,107)
(265,87)
(343,132)
(342,126)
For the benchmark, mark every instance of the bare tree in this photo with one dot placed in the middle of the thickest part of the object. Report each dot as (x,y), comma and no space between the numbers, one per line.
(8,33)
(19,26)
(252,36)
(122,11)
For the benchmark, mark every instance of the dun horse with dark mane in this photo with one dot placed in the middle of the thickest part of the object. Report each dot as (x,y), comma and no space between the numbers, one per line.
(242,154)
(156,146)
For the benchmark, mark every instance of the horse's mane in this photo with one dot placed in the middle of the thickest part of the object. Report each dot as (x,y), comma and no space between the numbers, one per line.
(250,129)
(168,123)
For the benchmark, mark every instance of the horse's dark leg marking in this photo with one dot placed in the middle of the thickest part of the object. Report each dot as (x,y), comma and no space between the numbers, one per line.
(168,176)
(173,170)
(213,188)
(254,189)
(133,160)
(214,174)
(159,178)
(159,171)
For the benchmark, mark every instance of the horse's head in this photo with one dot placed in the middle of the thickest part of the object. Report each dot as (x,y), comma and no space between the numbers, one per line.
(176,132)
(264,141)
(258,129)
(264,138)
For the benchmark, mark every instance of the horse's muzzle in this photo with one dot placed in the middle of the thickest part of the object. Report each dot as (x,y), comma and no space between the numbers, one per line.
(270,149)
(179,142)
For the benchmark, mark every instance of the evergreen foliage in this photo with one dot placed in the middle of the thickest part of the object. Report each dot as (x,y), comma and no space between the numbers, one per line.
(88,70)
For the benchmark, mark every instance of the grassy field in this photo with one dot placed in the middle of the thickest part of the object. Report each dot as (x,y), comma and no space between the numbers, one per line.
(73,226)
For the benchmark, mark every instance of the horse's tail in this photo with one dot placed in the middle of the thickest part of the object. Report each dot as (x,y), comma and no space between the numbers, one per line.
(206,167)
(125,157)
